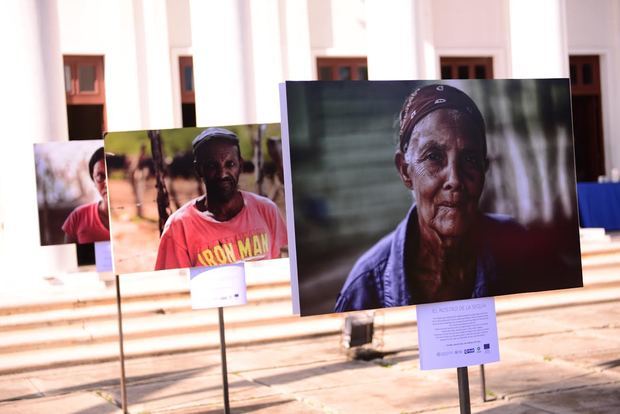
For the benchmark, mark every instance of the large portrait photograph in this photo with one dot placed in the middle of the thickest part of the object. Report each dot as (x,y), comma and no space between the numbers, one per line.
(72,192)
(195,197)
(408,192)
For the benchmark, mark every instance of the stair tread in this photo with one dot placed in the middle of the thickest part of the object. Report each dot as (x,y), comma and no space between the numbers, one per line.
(79,311)
(259,275)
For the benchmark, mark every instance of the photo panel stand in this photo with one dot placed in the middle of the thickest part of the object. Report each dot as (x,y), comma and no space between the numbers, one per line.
(220,314)
(463,380)
(124,407)
(458,334)
(209,288)
(217,287)
(483,384)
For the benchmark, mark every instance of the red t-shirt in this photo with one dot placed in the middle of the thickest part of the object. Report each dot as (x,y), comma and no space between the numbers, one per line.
(85,226)
(192,238)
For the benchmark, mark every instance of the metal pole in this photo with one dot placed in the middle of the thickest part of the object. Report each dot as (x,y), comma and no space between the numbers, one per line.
(220,311)
(483,385)
(121,346)
(463,381)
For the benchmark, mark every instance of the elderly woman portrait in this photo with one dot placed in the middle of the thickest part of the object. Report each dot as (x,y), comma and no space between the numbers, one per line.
(414,191)
(445,248)
(89,223)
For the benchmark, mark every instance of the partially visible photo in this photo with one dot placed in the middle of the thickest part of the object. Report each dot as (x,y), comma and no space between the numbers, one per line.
(196,197)
(72,192)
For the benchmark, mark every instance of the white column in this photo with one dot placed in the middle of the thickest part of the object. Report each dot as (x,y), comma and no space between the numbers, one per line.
(394,48)
(265,70)
(125,87)
(155,66)
(32,109)
(538,41)
(219,62)
(295,32)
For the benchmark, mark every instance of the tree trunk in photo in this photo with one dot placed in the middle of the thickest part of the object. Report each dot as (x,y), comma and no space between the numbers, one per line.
(44,216)
(258,158)
(163,202)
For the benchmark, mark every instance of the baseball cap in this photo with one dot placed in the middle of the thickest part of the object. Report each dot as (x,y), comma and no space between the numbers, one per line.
(211,133)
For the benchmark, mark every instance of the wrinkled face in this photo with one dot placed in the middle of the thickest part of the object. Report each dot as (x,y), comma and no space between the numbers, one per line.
(444,166)
(219,165)
(99,179)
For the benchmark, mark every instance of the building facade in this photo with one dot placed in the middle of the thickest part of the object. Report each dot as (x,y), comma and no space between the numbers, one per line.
(80,67)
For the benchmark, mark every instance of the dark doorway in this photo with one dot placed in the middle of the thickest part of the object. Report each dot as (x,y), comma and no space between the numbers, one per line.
(85,121)
(188,111)
(585,82)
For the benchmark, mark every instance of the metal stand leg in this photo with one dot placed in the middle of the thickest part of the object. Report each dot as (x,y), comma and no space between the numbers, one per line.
(483,385)
(463,381)
(121,346)
(220,311)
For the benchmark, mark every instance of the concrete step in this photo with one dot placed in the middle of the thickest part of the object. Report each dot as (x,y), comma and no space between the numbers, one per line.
(69,294)
(149,326)
(133,308)
(197,330)
(599,250)
(600,247)
(144,293)
(157,318)
(602,260)
(158,322)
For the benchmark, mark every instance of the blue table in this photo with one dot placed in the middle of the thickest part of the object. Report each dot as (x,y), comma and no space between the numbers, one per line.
(599,205)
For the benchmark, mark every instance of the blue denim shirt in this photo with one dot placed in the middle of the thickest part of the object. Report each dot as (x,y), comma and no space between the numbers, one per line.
(378,278)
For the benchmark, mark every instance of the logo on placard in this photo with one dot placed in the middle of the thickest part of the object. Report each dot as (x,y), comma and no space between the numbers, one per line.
(469,351)
(487,348)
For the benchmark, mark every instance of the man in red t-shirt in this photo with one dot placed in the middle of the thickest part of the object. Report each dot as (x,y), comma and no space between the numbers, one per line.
(227,225)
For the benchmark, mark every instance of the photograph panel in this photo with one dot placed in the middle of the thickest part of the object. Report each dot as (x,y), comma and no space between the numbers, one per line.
(72,192)
(196,197)
(408,192)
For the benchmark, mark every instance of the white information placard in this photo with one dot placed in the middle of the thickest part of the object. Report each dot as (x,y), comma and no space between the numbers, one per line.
(214,287)
(457,333)
(103,256)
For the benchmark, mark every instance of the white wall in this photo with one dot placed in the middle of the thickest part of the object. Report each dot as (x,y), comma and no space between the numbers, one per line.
(472,28)
(590,24)
(593,28)
(467,24)
(337,28)
(179,24)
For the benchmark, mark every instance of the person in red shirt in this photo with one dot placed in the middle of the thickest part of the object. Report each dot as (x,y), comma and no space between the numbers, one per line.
(227,225)
(89,223)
